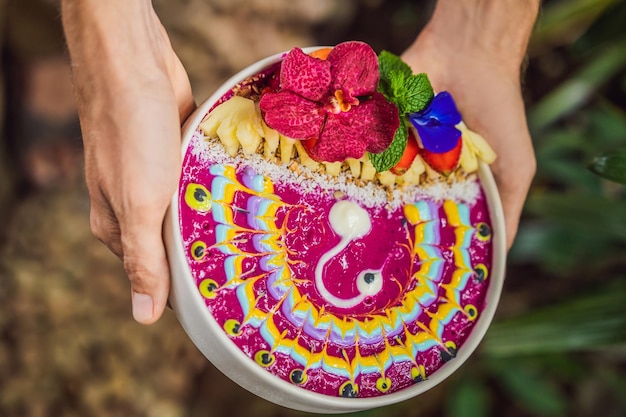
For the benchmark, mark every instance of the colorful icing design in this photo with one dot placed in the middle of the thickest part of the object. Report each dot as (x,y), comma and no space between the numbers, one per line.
(326,294)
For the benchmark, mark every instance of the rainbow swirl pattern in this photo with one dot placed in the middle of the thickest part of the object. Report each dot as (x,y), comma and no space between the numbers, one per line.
(357,318)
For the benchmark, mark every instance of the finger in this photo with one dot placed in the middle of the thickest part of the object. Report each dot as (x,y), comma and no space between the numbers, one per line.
(104,226)
(145,262)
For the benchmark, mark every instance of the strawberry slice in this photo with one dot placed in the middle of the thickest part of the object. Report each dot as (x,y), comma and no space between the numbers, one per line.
(308,146)
(411,150)
(445,162)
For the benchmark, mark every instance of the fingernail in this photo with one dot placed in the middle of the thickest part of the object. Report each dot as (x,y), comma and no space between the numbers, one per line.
(142,307)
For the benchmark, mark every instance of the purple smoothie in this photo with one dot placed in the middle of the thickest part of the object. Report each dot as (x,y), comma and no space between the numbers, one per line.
(254,242)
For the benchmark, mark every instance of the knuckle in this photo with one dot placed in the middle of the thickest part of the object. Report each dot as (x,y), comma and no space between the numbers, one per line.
(134,268)
(106,230)
(97,229)
(142,211)
(139,273)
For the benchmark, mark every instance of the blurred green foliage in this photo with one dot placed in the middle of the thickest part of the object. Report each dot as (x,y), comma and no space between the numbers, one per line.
(611,165)
(571,337)
(561,350)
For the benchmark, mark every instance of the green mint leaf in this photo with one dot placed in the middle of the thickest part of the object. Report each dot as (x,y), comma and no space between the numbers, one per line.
(410,93)
(388,158)
(417,94)
(388,62)
(396,86)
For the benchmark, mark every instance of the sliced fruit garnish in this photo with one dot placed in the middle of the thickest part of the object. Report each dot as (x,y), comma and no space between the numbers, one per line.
(309,144)
(445,162)
(410,152)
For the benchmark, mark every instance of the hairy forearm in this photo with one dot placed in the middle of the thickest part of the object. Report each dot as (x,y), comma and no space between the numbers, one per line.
(132,94)
(114,25)
(120,50)
(111,41)
(485,27)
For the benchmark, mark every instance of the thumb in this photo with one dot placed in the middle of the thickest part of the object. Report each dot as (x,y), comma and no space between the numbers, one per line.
(145,262)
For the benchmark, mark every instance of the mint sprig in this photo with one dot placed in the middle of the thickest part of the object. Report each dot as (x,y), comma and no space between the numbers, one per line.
(414,93)
(390,157)
(388,63)
(410,93)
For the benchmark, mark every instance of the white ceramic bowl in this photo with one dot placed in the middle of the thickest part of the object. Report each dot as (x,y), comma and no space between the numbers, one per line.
(214,343)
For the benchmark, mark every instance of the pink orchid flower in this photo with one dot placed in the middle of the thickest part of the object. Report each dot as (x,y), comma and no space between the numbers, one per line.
(333,103)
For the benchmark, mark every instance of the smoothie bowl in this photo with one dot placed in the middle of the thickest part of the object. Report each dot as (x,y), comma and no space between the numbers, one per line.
(337,240)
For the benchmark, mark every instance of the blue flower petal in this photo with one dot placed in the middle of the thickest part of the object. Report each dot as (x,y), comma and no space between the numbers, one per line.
(438,138)
(435,124)
(442,108)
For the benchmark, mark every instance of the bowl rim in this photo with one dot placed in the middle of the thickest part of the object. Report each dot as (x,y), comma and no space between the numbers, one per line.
(213,342)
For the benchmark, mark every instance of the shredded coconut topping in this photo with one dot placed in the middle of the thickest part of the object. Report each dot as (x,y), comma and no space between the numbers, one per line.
(370,194)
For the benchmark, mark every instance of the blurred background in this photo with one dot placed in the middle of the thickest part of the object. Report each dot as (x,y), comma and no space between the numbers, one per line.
(68,344)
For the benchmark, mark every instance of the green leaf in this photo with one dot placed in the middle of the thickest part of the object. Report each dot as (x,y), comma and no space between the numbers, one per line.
(533,391)
(396,87)
(561,21)
(607,127)
(611,166)
(585,213)
(561,170)
(388,62)
(579,88)
(606,27)
(387,159)
(418,94)
(562,251)
(470,398)
(560,367)
(410,93)
(587,321)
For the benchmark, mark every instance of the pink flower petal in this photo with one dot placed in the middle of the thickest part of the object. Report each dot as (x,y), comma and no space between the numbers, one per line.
(338,140)
(304,75)
(370,126)
(377,120)
(292,115)
(354,67)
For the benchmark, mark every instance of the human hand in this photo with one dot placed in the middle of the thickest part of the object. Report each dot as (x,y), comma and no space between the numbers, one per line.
(474,50)
(132,94)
